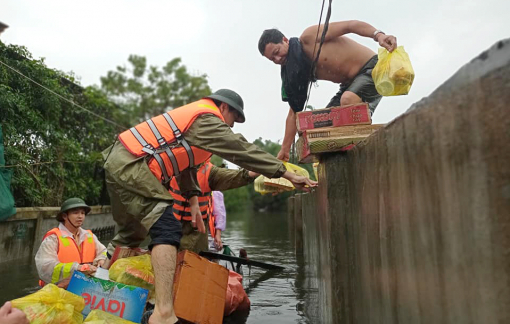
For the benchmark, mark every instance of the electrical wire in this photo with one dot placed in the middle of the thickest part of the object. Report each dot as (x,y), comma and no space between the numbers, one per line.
(63,98)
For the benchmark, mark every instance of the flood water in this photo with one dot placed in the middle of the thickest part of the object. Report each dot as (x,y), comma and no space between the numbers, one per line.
(286,296)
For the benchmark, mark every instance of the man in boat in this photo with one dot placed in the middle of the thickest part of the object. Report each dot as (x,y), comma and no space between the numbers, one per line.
(141,164)
(212,208)
(341,61)
(69,247)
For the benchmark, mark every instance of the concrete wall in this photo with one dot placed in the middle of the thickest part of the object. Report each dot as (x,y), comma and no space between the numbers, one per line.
(413,225)
(21,234)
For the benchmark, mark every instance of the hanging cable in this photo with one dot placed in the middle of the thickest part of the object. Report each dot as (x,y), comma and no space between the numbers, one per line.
(314,63)
(63,98)
(316,60)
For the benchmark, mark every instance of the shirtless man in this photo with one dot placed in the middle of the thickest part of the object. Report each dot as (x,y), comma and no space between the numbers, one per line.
(341,60)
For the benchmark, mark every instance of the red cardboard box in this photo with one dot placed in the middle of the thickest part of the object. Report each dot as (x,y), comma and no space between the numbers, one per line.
(357,114)
(199,289)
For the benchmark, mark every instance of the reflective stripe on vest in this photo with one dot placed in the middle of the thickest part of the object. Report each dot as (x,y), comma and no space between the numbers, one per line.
(181,207)
(68,253)
(161,137)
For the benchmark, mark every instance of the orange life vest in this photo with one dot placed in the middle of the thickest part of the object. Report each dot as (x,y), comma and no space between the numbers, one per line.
(162,138)
(181,207)
(68,253)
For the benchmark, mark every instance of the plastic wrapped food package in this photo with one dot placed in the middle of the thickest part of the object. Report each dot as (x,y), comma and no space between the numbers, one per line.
(51,305)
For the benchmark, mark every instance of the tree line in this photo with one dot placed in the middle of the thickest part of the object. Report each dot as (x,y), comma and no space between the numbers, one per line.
(53,147)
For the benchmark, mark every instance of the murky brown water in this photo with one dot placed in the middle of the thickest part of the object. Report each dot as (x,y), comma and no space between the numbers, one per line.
(276,297)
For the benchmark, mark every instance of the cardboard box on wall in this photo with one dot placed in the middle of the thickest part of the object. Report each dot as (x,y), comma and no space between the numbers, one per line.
(199,289)
(357,114)
(332,139)
(124,301)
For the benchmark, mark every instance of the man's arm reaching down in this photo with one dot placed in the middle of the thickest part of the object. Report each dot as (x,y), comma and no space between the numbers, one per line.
(290,135)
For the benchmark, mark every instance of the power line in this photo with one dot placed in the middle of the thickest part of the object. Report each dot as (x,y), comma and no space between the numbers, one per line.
(63,98)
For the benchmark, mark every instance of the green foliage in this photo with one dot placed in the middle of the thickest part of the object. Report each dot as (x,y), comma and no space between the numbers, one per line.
(53,144)
(217,161)
(237,199)
(144,91)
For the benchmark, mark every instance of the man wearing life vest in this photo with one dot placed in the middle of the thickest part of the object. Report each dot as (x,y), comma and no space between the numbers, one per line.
(141,164)
(211,179)
(69,247)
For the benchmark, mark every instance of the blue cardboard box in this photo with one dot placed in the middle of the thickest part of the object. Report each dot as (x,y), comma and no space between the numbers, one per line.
(125,301)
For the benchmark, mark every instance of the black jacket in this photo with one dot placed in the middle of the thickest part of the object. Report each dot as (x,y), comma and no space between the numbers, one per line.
(296,76)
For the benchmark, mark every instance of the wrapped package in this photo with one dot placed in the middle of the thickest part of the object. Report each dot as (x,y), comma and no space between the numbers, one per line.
(393,74)
(135,271)
(99,317)
(236,297)
(264,185)
(51,305)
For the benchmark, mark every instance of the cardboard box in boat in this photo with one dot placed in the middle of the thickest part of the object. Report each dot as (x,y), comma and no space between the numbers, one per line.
(332,139)
(357,114)
(199,289)
(125,301)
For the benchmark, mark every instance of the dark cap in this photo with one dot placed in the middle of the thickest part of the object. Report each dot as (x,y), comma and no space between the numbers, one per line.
(232,99)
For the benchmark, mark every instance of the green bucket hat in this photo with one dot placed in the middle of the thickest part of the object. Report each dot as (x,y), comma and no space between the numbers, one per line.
(72,203)
(231,98)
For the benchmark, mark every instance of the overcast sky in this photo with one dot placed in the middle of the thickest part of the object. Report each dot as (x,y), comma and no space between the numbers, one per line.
(219,38)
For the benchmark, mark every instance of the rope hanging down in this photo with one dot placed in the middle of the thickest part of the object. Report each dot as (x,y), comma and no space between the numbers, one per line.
(63,98)
(316,60)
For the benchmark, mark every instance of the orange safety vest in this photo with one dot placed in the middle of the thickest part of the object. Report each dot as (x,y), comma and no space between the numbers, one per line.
(68,253)
(181,206)
(162,138)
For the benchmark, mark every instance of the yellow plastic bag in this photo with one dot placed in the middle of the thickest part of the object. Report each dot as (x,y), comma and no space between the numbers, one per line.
(264,185)
(100,317)
(51,305)
(135,271)
(393,74)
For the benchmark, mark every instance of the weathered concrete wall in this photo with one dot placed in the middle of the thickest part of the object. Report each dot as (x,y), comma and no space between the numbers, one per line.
(413,225)
(21,235)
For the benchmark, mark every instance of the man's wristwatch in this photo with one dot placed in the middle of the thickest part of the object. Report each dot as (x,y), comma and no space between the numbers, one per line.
(377,31)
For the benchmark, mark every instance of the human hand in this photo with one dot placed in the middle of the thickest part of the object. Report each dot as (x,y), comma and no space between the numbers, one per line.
(10,315)
(88,269)
(196,215)
(283,155)
(100,263)
(252,174)
(300,182)
(217,240)
(389,42)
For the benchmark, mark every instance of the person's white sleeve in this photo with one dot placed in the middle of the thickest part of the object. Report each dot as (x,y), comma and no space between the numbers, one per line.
(50,269)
